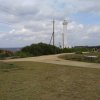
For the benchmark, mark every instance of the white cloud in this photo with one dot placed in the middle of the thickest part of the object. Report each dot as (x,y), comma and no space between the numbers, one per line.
(94,29)
(30,20)
(2,35)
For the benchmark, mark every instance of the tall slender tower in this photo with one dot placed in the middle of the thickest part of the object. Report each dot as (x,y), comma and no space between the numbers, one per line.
(65,23)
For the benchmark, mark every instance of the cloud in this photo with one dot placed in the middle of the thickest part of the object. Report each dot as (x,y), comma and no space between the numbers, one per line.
(30,21)
(2,35)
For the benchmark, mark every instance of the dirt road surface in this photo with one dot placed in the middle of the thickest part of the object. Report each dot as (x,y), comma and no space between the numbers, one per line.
(54,59)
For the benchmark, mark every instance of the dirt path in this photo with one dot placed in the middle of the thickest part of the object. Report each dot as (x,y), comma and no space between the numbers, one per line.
(55,60)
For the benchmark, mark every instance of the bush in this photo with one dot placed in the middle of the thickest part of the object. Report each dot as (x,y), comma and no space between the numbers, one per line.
(38,50)
(78,52)
(23,54)
(5,53)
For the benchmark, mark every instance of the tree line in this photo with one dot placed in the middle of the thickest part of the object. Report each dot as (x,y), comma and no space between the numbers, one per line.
(46,49)
(41,49)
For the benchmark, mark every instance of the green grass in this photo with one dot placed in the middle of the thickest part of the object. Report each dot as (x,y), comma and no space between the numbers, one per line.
(82,57)
(39,81)
(6,67)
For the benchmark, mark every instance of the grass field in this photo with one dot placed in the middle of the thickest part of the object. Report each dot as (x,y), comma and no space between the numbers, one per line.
(39,81)
(83,57)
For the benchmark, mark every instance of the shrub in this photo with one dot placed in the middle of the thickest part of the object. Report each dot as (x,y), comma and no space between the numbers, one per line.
(38,50)
(78,52)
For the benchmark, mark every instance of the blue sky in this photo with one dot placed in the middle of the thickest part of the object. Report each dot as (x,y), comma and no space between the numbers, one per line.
(86,18)
(23,22)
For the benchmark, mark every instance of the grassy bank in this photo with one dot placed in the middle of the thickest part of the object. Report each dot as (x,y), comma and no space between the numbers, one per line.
(39,81)
(85,57)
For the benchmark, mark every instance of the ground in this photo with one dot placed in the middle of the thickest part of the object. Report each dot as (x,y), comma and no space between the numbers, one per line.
(49,78)
(55,59)
(41,81)
(91,57)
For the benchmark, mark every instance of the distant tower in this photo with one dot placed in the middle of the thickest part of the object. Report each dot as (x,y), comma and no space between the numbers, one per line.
(65,23)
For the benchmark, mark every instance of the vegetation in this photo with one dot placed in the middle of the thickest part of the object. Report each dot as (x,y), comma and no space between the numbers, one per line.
(39,81)
(5,53)
(41,49)
(76,49)
(86,57)
(46,49)
(6,67)
(38,50)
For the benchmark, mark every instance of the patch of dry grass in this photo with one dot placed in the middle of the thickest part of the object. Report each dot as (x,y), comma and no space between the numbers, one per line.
(82,57)
(39,81)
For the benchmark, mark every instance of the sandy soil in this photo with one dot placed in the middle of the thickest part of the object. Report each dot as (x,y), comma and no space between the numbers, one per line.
(55,60)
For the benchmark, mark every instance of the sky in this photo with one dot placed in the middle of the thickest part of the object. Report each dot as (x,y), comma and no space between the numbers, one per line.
(24,22)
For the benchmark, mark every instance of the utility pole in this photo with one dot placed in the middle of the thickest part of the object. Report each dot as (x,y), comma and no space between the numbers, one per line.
(52,40)
(53,32)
